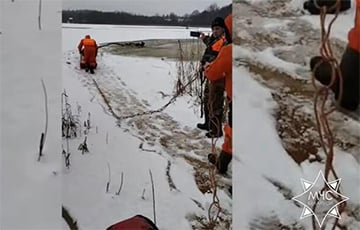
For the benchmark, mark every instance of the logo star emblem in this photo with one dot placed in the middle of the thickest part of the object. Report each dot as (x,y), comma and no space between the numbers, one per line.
(327,199)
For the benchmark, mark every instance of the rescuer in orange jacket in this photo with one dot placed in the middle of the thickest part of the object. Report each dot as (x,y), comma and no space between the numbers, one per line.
(349,66)
(88,48)
(221,68)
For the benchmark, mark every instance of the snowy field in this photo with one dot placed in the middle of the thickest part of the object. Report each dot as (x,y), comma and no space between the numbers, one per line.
(271,75)
(30,190)
(72,33)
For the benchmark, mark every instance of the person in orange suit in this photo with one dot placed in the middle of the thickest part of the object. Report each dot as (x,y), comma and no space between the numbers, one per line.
(349,66)
(221,68)
(88,49)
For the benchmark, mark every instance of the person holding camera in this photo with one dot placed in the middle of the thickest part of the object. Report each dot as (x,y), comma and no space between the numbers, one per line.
(214,91)
(221,69)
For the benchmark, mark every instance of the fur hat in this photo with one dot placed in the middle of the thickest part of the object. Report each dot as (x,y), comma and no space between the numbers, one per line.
(218,21)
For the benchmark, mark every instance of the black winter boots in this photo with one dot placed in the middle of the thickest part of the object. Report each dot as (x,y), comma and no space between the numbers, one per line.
(214,127)
(350,71)
(222,162)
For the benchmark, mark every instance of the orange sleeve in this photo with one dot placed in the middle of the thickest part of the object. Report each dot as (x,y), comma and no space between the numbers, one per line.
(221,66)
(227,144)
(80,45)
(96,48)
(354,34)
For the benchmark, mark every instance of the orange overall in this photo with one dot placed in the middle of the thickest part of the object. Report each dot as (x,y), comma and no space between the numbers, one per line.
(89,47)
(354,33)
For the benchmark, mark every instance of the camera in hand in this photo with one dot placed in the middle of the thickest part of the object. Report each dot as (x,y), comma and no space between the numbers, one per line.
(195,34)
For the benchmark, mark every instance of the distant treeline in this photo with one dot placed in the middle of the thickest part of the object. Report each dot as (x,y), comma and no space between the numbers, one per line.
(196,18)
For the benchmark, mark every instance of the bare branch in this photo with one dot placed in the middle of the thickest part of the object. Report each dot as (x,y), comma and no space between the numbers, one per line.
(121,183)
(83,147)
(43,135)
(39,17)
(41,146)
(46,108)
(153,195)
(69,219)
(109,179)
(143,194)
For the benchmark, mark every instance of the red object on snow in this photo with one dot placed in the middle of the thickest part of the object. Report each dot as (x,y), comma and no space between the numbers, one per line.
(138,222)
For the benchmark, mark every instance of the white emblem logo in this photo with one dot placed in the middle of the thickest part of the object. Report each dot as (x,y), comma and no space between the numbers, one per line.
(320,198)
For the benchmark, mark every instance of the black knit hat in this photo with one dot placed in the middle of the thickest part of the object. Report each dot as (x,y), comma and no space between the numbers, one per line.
(218,21)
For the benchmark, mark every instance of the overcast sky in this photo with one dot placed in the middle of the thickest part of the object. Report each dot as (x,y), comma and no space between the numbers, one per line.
(145,7)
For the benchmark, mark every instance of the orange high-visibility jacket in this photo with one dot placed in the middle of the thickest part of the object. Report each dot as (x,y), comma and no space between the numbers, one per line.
(227,145)
(90,50)
(354,34)
(218,44)
(221,67)
(213,47)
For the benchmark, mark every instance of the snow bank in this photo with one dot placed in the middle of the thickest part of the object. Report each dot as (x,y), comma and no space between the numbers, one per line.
(30,190)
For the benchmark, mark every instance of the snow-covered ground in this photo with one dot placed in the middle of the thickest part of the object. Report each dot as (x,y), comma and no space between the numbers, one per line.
(163,147)
(265,175)
(85,183)
(167,139)
(30,190)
